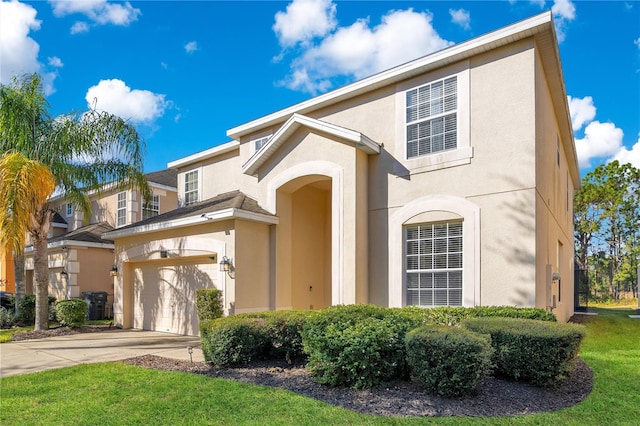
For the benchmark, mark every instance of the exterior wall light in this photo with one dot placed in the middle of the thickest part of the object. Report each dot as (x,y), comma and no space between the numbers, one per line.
(113,271)
(64,274)
(225,264)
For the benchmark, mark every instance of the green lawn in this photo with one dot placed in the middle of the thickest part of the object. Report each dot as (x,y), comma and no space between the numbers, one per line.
(118,394)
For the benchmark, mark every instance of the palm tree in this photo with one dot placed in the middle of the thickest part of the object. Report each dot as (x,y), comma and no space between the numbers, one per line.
(82,150)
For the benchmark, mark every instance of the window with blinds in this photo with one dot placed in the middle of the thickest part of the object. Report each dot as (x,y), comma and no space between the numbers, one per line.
(121,209)
(433,264)
(191,187)
(431,118)
(152,208)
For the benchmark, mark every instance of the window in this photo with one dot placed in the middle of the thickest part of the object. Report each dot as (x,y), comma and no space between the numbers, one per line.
(432,118)
(152,208)
(259,143)
(191,187)
(433,264)
(121,209)
(69,209)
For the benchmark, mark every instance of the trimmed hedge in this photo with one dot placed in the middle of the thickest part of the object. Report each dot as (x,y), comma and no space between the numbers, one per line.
(534,351)
(72,312)
(357,345)
(448,361)
(28,309)
(446,315)
(209,303)
(239,339)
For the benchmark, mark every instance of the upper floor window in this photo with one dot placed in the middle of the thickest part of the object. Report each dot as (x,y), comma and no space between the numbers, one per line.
(152,208)
(191,187)
(259,143)
(432,118)
(433,262)
(69,209)
(121,209)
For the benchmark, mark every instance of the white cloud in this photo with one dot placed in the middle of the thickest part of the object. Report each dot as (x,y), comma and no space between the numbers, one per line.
(582,110)
(304,20)
(115,97)
(18,51)
(79,27)
(601,140)
(164,65)
(358,50)
(191,47)
(54,61)
(632,155)
(564,11)
(637,42)
(461,17)
(100,12)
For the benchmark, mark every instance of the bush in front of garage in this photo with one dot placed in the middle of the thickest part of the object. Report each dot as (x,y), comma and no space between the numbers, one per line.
(209,304)
(239,339)
(233,340)
(539,352)
(72,312)
(448,361)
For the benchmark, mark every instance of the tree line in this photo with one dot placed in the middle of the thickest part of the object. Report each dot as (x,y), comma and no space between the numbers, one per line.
(607,231)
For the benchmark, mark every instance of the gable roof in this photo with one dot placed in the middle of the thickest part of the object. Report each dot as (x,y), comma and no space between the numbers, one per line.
(294,123)
(89,234)
(230,205)
(167,177)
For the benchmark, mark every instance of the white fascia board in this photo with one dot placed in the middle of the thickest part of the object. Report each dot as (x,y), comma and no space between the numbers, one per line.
(225,214)
(500,37)
(164,187)
(204,155)
(72,243)
(293,123)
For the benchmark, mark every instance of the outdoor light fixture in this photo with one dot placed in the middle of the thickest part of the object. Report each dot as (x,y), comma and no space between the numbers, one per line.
(113,271)
(64,274)
(225,264)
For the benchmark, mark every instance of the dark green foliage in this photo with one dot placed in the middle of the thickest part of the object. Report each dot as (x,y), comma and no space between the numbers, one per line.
(209,303)
(356,345)
(28,309)
(534,351)
(283,330)
(72,312)
(449,361)
(233,340)
(454,315)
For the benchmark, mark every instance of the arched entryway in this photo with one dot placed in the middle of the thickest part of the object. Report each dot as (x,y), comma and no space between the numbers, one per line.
(304,243)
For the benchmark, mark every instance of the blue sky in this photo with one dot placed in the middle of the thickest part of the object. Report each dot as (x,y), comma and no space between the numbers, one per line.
(186,71)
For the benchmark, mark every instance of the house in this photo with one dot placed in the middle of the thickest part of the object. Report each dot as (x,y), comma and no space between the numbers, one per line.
(79,259)
(447,180)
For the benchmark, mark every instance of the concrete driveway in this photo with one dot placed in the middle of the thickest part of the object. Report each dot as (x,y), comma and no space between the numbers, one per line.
(64,351)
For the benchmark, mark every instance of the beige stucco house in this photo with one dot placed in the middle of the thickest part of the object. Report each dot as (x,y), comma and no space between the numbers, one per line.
(79,259)
(447,180)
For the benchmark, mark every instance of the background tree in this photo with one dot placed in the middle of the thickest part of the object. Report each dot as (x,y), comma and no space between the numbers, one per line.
(607,227)
(82,150)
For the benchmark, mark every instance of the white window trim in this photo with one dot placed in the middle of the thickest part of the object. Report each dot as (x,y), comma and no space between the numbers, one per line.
(69,209)
(442,159)
(156,210)
(118,209)
(470,214)
(183,184)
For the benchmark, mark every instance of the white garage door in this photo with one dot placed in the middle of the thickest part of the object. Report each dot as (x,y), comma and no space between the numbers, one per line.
(165,293)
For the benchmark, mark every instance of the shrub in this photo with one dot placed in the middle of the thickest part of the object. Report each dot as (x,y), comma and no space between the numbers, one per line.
(72,312)
(6,317)
(449,361)
(447,315)
(209,304)
(283,330)
(28,309)
(534,351)
(356,345)
(233,340)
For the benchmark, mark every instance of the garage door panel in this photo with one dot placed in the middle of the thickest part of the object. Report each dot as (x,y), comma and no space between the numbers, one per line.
(164,295)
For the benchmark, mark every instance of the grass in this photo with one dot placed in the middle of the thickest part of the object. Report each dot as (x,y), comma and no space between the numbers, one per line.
(130,395)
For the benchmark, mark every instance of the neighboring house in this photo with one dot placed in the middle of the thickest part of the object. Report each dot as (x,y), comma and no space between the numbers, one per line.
(79,259)
(447,180)
(7,276)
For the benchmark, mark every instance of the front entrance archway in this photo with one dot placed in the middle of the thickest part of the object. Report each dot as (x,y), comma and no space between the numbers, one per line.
(304,243)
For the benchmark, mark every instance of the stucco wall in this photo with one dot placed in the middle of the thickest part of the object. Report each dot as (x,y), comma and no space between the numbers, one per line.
(251,262)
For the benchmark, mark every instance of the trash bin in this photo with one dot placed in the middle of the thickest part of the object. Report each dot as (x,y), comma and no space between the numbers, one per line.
(97,301)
